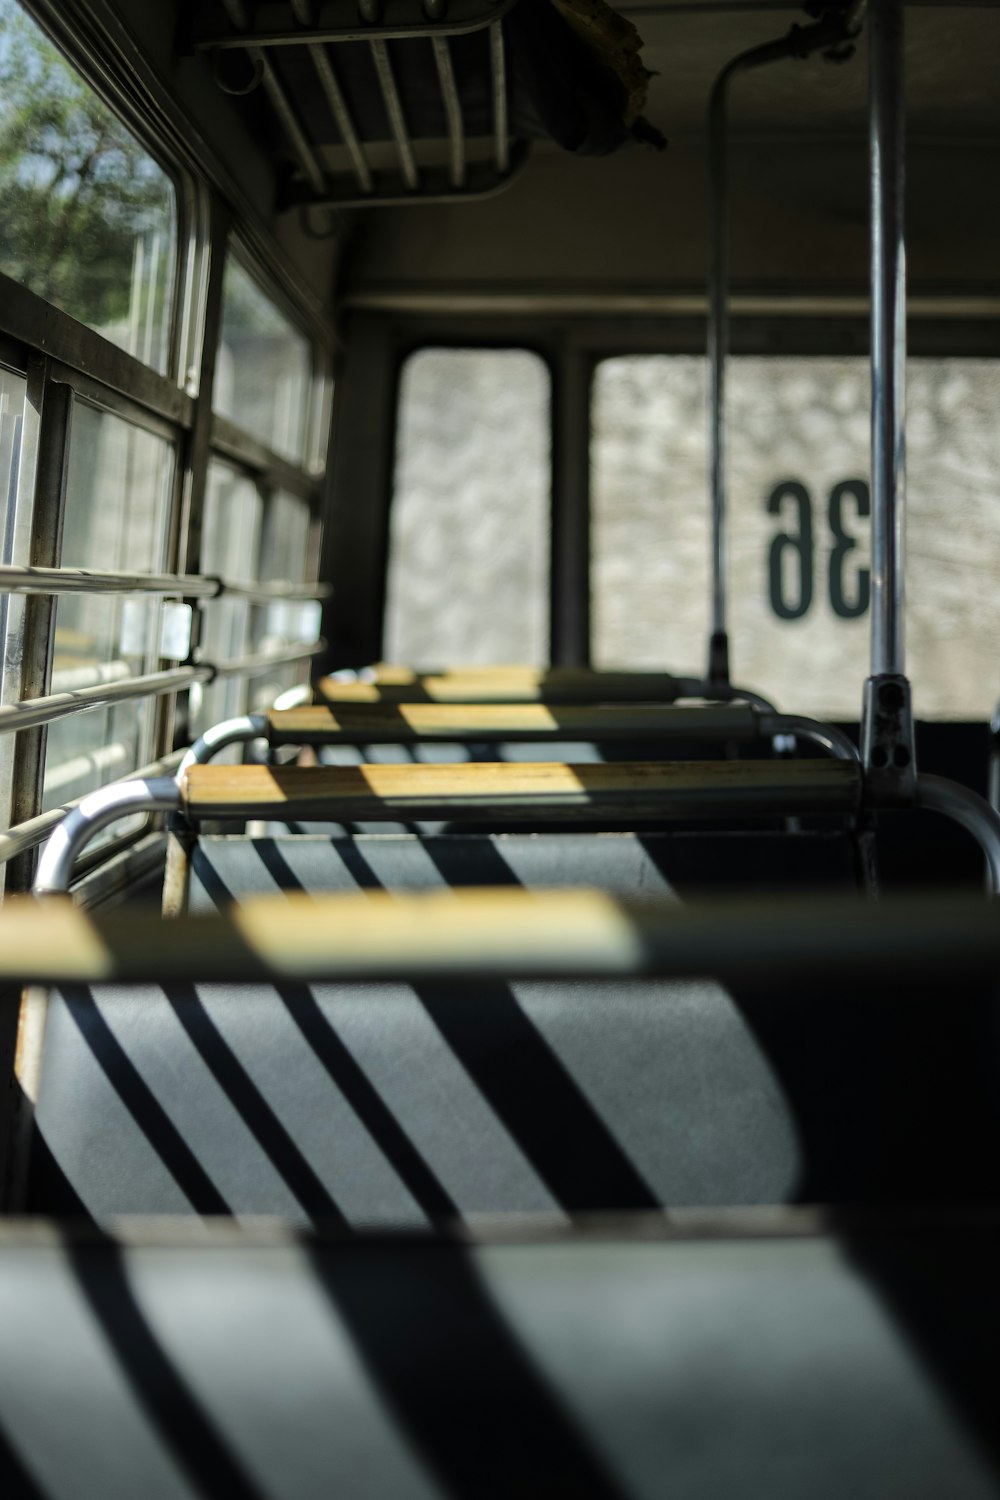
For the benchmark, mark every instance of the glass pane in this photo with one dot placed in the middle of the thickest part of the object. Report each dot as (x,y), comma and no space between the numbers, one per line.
(263,376)
(89,219)
(13,390)
(118,491)
(284,558)
(469,550)
(230,547)
(798,544)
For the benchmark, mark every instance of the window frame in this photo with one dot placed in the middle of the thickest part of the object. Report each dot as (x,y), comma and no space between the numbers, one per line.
(63,359)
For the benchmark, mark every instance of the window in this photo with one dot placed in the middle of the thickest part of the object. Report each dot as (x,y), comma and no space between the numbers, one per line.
(88,217)
(468,561)
(118,490)
(263,378)
(798,574)
(288,622)
(230,547)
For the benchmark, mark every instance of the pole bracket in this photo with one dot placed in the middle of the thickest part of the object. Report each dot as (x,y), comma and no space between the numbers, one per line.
(888,743)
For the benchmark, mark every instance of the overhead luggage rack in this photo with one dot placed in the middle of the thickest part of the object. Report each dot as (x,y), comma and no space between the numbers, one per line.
(380,101)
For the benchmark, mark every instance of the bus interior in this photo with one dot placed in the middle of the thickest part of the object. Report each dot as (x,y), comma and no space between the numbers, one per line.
(499,749)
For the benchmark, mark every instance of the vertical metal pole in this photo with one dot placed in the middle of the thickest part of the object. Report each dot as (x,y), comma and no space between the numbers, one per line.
(888,335)
(887,737)
(718,345)
(833,35)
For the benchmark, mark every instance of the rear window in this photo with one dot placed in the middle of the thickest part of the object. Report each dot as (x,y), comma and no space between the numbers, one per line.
(799,568)
(469,549)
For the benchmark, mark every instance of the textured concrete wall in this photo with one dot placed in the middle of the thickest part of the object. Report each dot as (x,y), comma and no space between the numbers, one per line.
(468,575)
(469,546)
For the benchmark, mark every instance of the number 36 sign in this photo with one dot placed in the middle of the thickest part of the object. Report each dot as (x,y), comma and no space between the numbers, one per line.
(791,560)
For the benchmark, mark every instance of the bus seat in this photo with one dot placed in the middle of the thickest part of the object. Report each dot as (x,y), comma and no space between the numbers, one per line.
(389,1103)
(729,1360)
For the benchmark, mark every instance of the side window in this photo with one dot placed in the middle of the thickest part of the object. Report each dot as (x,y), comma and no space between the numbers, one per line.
(89,218)
(468,557)
(118,490)
(286,557)
(230,548)
(799,570)
(264,373)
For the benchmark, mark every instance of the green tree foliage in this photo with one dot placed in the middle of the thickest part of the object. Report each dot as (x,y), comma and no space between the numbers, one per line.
(78,193)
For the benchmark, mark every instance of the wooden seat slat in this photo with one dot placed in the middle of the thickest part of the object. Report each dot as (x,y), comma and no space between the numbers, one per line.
(462,933)
(504,685)
(550,790)
(402,723)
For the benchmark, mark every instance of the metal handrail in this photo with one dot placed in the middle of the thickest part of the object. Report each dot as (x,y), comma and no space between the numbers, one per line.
(836,29)
(247,727)
(49,581)
(274,593)
(122,799)
(263,661)
(95,811)
(15,580)
(36,711)
(971,812)
(25,836)
(33,712)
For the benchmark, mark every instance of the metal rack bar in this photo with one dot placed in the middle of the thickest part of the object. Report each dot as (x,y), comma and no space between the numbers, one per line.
(424,27)
(394,110)
(239,15)
(342,116)
(452,110)
(501,122)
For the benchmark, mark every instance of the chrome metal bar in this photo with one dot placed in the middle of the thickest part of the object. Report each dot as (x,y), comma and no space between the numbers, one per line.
(294,697)
(229,732)
(70,679)
(275,593)
(289,122)
(394,111)
(342,116)
(15,580)
(34,711)
(972,812)
(501,119)
(94,812)
(720,692)
(888,335)
(452,109)
(829,33)
(391,32)
(34,831)
(241,18)
(263,661)
(827,736)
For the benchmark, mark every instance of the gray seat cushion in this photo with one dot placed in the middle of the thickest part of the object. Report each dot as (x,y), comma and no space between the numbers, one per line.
(386,1104)
(612,1368)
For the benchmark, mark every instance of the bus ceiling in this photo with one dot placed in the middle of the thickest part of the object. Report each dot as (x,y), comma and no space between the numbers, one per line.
(511,147)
